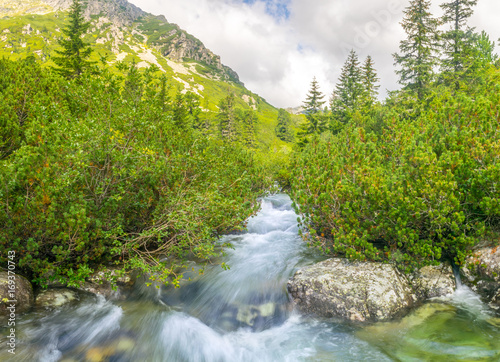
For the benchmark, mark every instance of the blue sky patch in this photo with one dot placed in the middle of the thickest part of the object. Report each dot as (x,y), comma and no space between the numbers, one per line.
(276,8)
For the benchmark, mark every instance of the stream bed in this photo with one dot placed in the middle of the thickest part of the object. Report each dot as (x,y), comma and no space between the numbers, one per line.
(245,314)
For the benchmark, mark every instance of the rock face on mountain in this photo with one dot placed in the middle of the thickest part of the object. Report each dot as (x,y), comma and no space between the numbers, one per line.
(121,12)
(118,21)
(176,44)
(182,46)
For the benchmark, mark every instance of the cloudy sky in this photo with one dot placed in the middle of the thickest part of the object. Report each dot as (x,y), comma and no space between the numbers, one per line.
(278,46)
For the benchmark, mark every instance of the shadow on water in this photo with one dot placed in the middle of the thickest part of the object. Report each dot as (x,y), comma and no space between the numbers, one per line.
(244,314)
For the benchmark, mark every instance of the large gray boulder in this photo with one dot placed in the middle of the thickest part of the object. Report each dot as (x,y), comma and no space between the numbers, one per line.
(353,291)
(22,293)
(482,274)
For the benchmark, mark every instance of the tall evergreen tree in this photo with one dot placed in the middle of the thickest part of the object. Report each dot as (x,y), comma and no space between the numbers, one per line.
(163,97)
(457,41)
(316,120)
(192,102)
(369,79)
(482,57)
(282,130)
(346,98)
(134,83)
(180,111)
(247,119)
(417,53)
(314,100)
(72,60)
(227,117)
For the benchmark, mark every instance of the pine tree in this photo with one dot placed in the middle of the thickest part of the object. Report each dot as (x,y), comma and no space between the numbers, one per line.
(163,97)
(227,117)
(72,60)
(482,56)
(314,100)
(282,130)
(457,43)
(180,111)
(348,93)
(349,89)
(315,119)
(192,103)
(417,58)
(247,119)
(134,83)
(369,80)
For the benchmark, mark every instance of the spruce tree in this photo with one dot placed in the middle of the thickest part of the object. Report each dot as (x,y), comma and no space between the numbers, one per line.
(348,93)
(315,119)
(314,100)
(482,57)
(192,103)
(180,111)
(134,83)
(247,119)
(369,79)
(282,130)
(417,53)
(457,41)
(227,117)
(72,60)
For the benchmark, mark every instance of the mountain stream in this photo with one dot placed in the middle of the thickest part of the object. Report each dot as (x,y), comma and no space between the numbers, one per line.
(244,314)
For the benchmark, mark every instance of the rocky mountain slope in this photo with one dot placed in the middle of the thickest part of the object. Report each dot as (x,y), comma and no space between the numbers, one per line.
(112,16)
(121,32)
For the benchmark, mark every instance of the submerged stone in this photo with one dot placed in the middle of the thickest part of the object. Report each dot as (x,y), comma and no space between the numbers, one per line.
(436,332)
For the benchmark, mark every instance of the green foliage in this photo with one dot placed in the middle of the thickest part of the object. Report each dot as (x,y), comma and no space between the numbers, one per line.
(409,190)
(316,119)
(227,117)
(282,130)
(99,174)
(200,79)
(314,100)
(369,79)
(72,60)
(349,90)
(457,41)
(246,123)
(23,84)
(418,52)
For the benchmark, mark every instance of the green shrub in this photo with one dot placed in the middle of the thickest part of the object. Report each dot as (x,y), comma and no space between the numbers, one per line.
(98,175)
(412,188)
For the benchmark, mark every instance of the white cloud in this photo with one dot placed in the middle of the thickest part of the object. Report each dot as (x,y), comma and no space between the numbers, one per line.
(277,58)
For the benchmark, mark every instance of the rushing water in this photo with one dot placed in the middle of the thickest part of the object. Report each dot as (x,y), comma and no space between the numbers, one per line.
(244,314)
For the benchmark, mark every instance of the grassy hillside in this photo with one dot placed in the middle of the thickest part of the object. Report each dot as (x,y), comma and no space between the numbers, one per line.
(142,42)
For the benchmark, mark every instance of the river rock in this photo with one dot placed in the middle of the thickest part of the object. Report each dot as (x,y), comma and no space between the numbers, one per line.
(112,352)
(434,281)
(99,283)
(353,291)
(54,298)
(23,294)
(482,274)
